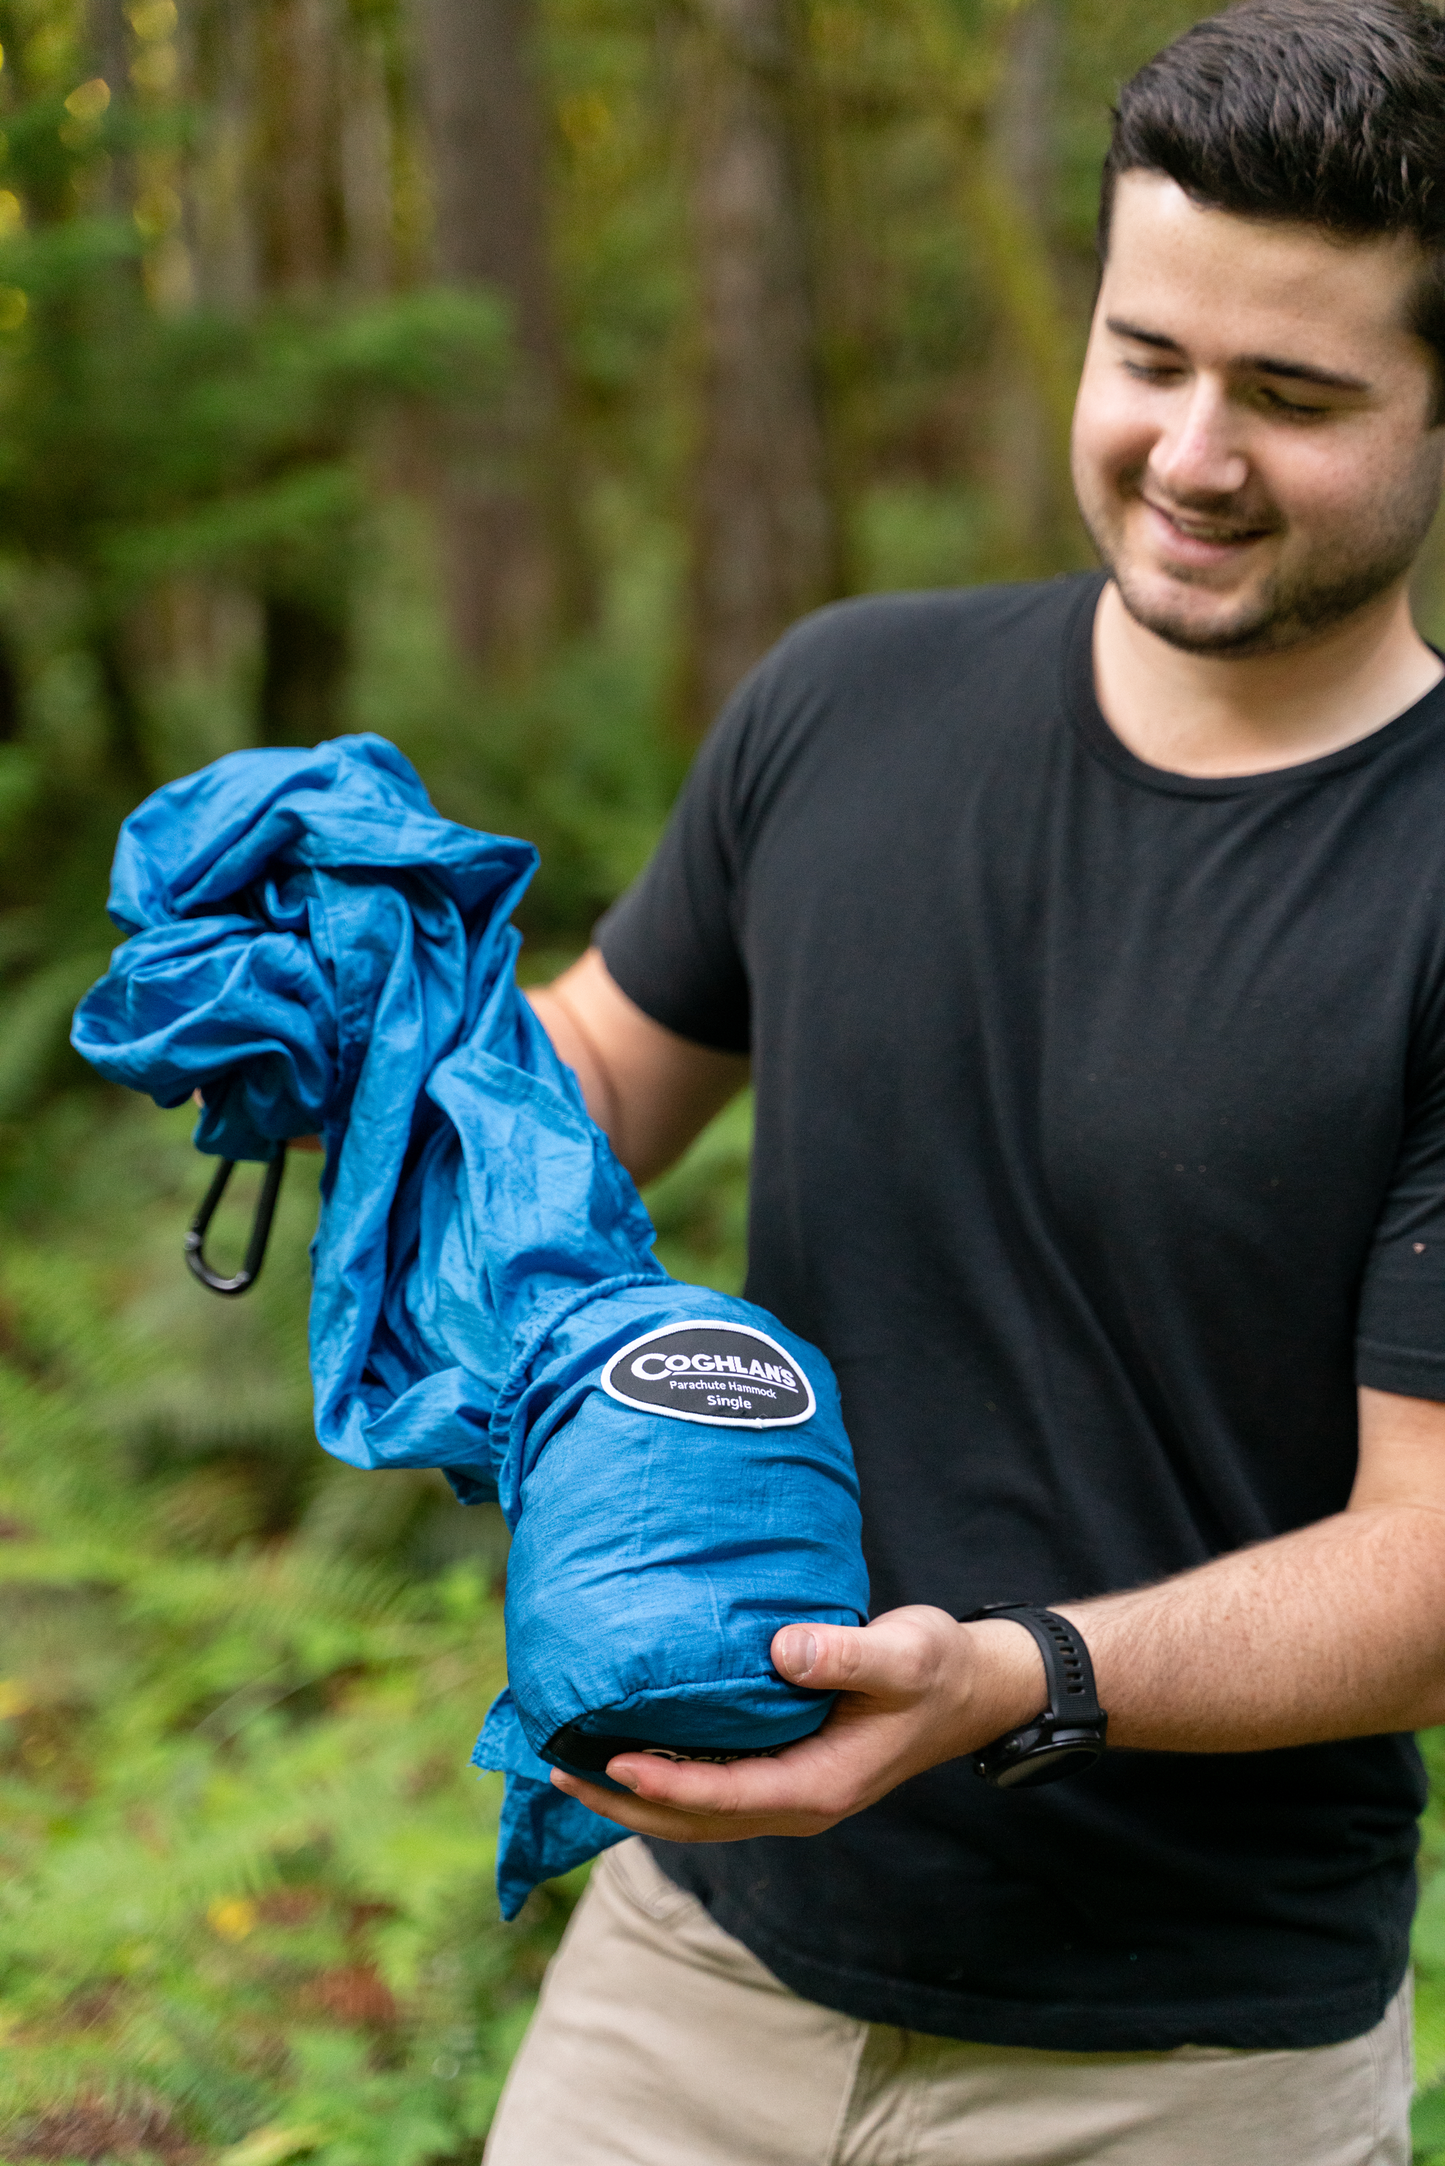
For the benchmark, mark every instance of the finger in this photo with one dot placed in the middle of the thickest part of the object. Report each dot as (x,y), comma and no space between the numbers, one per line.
(799,1780)
(789,1783)
(645,1817)
(642,1817)
(607,1804)
(891,1658)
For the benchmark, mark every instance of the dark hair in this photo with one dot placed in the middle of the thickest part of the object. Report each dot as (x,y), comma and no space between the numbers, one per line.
(1328,112)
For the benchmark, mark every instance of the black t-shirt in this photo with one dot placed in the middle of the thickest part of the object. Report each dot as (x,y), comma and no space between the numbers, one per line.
(1101,1146)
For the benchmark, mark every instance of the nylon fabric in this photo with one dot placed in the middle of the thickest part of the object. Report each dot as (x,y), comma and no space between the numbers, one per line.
(313,947)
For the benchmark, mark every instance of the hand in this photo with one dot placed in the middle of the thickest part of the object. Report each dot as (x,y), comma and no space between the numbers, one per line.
(915,1689)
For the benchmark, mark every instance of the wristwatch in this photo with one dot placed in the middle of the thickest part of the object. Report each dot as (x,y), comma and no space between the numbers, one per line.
(1069,1735)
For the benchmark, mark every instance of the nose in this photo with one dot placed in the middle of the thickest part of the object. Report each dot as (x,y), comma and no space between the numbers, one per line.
(1197,455)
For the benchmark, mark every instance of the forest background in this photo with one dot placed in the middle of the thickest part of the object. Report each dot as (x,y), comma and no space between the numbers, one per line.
(502,375)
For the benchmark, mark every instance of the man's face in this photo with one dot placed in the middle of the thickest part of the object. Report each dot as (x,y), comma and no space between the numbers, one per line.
(1254,453)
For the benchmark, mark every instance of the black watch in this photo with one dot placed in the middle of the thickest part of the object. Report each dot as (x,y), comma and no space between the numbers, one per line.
(1069,1735)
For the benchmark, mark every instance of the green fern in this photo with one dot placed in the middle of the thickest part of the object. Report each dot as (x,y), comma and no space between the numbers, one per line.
(246,1892)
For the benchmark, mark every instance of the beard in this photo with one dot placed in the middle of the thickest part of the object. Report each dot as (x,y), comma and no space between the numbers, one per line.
(1293,604)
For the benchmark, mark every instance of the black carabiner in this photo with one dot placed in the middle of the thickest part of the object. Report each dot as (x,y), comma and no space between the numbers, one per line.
(250,1270)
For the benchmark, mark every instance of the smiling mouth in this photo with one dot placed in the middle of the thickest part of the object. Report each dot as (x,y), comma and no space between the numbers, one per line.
(1200,530)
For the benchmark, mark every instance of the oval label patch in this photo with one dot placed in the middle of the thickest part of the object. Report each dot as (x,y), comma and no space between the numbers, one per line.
(726,1374)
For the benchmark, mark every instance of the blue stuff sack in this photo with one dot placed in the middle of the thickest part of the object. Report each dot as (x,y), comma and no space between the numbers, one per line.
(318,952)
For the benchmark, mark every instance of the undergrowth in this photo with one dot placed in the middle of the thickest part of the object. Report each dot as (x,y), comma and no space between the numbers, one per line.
(246,1902)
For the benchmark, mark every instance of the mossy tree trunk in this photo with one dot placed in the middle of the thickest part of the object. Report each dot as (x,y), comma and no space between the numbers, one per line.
(302,252)
(765,538)
(1028,448)
(514,562)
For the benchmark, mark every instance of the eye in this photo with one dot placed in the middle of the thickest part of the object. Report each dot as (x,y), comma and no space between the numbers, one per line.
(1151,372)
(1277,403)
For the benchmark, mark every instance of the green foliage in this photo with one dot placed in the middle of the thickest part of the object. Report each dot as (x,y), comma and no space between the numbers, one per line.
(245,1870)
(139,446)
(1428,2119)
(700,1208)
(575,759)
(138,449)
(154,459)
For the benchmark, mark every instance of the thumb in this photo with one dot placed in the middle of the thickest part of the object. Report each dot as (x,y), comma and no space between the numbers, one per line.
(893,1657)
(826,1657)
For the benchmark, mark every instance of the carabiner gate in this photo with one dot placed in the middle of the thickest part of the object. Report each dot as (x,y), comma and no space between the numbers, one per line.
(250,1270)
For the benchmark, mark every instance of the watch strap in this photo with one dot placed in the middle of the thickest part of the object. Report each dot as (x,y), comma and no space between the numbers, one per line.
(1069,1735)
(1067,1667)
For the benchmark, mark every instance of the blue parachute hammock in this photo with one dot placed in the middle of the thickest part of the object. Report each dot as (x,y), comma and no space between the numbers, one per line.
(317,951)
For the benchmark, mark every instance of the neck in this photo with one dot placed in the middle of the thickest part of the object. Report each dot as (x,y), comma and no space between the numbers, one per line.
(1209,714)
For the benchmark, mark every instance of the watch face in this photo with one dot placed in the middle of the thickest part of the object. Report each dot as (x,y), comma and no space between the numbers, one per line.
(1051,1764)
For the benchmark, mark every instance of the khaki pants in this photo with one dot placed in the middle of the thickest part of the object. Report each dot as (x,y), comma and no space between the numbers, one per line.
(660,2041)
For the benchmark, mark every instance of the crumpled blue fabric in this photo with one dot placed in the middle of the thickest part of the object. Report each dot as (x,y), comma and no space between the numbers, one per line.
(317,951)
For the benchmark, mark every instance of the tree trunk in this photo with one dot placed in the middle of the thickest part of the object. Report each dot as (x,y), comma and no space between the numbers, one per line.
(1030,478)
(224,212)
(107,32)
(301,252)
(366,159)
(510,534)
(126,748)
(12,712)
(299,186)
(106,28)
(304,657)
(765,540)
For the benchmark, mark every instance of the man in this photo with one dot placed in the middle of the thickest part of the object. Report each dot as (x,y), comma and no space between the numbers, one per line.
(1088,942)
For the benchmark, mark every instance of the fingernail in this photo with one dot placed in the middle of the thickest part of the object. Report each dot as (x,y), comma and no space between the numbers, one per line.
(563,1782)
(628,1782)
(800,1652)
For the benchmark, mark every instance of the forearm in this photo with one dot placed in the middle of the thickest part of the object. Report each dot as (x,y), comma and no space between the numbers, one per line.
(1337,1630)
(574,1044)
(649,1091)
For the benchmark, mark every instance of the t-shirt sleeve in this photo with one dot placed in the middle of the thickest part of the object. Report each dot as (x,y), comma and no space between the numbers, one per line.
(672,942)
(1400,1335)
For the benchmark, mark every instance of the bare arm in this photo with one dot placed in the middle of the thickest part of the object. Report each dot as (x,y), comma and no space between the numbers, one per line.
(1336,1630)
(649,1091)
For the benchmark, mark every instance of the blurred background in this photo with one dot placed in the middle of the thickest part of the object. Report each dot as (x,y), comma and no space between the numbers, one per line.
(504,376)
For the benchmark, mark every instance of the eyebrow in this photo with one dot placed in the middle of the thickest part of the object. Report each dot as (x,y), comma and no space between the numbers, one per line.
(1262,364)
